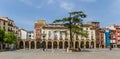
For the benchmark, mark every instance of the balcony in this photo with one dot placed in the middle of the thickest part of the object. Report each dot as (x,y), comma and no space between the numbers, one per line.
(61,38)
(10,24)
(77,38)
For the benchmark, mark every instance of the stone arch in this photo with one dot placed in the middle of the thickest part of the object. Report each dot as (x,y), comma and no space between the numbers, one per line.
(21,46)
(92,44)
(71,44)
(32,44)
(43,44)
(82,44)
(76,44)
(60,44)
(38,45)
(26,44)
(54,44)
(87,44)
(49,45)
(66,44)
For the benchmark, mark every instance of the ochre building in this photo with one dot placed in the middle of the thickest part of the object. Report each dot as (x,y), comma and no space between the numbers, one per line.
(57,36)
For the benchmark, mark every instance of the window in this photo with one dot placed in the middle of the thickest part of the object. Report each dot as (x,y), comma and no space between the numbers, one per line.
(4,23)
(86,28)
(92,38)
(60,34)
(29,35)
(49,34)
(55,36)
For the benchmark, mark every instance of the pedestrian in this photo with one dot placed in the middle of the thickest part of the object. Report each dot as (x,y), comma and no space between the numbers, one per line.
(110,48)
(43,49)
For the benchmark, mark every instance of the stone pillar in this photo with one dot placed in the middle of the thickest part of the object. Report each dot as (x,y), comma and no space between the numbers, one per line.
(89,44)
(46,44)
(79,43)
(104,45)
(29,44)
(74,44)
(84,44)
(6,45)
(35,44)
(24,44)
(52,44)
(68,44)
(63,45)
(57,44)
(18,45)
(94,44)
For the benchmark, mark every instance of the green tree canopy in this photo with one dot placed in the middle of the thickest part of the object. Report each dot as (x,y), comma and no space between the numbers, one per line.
(74,23)
(2,34)
(10,38)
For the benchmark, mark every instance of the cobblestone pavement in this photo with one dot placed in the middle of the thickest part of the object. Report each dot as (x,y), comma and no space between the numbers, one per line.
(61,54)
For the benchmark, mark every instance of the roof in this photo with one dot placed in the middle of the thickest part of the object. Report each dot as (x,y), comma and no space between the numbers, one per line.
(4,18)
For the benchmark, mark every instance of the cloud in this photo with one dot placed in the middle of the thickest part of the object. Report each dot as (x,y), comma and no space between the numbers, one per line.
(67,5)
(88,0)
(50,1)
(28,2)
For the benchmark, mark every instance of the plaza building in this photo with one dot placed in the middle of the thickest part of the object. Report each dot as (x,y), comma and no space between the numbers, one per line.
(57,36)
(114,36)
(7,25)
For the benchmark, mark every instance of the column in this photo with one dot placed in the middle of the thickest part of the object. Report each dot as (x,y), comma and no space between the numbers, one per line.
(68,44)
(57,44)
(46,44)
(89,44)
(84,44)
(24,44)
(94,44)
(63,45)
(52,44)
(18,45)
(79,44)
(35,44)
(74,44)
(29,44)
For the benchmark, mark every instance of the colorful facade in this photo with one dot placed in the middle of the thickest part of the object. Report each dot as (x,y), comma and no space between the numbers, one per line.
(52,36)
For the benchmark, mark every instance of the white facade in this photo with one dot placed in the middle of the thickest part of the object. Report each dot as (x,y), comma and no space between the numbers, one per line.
(23,34)
(30,35)
(58,34)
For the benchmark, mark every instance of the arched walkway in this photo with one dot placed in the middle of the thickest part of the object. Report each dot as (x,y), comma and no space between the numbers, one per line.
(38,45)
(21,45)
(71,44)
(76,44)
(27,44)
(82,44)
(60,44)
(66,44)
(43,44)
(92,44)
(32,45)
(49,45)
(87,44)
(54,44)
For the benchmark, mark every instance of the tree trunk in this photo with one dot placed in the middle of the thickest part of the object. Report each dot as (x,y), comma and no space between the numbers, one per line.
(1,46)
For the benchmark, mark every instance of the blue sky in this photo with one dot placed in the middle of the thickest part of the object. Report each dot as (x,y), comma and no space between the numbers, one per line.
(26,12)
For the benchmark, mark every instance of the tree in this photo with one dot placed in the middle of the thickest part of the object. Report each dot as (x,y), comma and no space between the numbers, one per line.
(10,38)
(2,34)
(74,23)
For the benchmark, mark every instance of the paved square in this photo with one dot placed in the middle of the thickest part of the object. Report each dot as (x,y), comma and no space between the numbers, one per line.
(61,54)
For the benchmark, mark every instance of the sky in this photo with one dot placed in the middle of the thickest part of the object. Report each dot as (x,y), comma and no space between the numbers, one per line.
(26,12)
